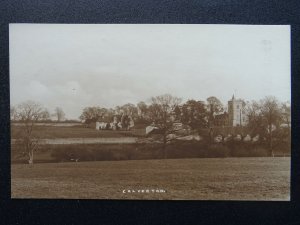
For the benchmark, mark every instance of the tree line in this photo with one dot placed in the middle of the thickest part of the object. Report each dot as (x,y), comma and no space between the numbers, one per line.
(198,114)
(263,116)
(30,110)
(159,105)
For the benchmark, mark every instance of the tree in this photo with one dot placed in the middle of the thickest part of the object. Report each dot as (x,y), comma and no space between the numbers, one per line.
(125,121)
(214,106)
(177,113)
(271,114)
(118,110)
(129,109)
(142,109)
(45,115)
(161,113)
(283,134)
(13,113)
(28,113)
(59,114)
(286,113)
(92,114)
(194,114)
(255,118)
(264,117)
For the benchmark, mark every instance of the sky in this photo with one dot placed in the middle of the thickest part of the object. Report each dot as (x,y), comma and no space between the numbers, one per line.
(76,66)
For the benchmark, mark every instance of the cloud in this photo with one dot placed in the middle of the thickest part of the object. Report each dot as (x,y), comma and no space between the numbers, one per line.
(37,90)
(74,66)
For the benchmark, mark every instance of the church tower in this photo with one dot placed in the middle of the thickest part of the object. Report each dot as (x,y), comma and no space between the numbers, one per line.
(236,112)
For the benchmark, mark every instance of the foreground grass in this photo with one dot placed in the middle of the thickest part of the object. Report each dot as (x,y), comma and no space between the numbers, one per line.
(194,179)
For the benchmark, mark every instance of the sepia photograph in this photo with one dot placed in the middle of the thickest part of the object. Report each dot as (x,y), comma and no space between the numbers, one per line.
(150,111)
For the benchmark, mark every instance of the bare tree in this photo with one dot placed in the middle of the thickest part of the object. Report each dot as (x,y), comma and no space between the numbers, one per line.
(286,113)
(28,113)
(161,111)
(129,110)
(142,109)
(13,113)
(214,106)
(255,118)
(272,116)
(284,134)
(45,115)
(59,113)
(265,118)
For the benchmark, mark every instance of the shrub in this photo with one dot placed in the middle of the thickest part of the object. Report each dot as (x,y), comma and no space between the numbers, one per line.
(218,150)
(259,152)
(141,151)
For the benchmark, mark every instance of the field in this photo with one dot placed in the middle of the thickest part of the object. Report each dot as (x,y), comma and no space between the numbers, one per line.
(80,131)
(176,179)
(79,143)
(186,174)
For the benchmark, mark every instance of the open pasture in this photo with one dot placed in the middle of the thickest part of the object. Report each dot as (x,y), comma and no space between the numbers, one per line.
(190,179)
(52,132)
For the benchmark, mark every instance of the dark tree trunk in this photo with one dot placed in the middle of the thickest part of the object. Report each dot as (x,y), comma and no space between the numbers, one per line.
(271,140)
(164,145)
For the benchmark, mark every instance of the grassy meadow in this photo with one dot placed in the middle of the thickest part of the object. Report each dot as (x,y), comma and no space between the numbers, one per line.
(125,151)
(79,131)
(193,170)
(181,179)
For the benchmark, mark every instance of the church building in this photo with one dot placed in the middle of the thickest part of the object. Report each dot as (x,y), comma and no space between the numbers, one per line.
(236,112)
